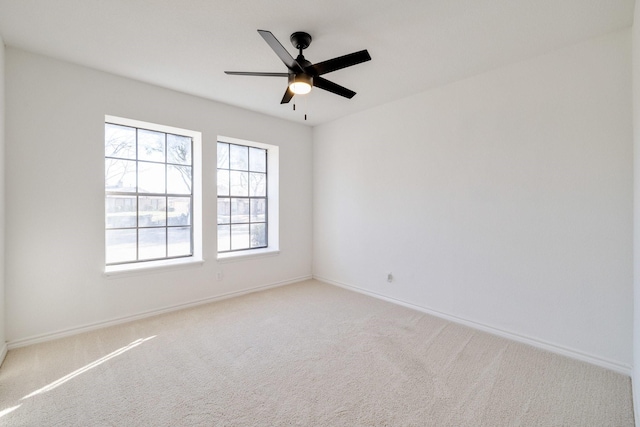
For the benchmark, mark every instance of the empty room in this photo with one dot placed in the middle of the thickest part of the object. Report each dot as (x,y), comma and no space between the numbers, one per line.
(328,213)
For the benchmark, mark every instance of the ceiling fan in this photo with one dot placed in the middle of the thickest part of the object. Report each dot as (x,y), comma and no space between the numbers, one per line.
(301,73)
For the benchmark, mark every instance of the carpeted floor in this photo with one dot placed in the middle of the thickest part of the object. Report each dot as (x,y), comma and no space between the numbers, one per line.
(308,354)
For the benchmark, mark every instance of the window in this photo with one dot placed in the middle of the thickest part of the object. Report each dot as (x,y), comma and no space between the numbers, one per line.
(151,206)
(247,196)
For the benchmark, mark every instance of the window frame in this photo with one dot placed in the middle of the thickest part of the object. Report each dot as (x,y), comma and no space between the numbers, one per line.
(196,201)
(272,200)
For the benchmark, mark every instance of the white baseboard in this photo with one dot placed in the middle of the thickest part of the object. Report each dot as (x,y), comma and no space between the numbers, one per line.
(125,319)
(3,352)
(554,348)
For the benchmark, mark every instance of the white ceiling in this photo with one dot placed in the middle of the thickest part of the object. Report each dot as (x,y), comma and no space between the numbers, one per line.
(415,44)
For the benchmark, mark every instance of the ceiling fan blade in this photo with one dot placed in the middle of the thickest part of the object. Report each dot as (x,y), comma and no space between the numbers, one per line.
(327,85)
(282,53)
(287,96)
(251,73)
(341,62)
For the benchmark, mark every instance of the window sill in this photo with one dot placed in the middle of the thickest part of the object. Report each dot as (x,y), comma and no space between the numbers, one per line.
(244,255)
(151,267)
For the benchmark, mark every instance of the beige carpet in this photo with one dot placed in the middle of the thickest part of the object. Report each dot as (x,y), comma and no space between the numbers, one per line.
(307,354)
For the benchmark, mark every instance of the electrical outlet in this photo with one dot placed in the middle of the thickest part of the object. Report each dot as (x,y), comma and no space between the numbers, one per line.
(389,277)
(219,276)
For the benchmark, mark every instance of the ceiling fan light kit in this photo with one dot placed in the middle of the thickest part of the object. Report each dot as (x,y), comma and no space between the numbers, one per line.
(303,75)
(300,84)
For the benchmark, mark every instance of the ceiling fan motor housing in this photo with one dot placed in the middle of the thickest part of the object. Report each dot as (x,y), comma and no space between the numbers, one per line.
(301,78)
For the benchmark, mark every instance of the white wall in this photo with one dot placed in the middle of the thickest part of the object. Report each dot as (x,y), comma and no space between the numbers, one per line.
(3,348)
(55,207)
(504,199)
(636,211)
